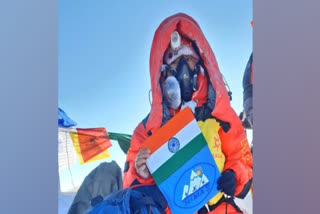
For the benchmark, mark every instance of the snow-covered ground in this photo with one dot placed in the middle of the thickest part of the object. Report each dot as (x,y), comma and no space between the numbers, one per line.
(245,204)
(65,201)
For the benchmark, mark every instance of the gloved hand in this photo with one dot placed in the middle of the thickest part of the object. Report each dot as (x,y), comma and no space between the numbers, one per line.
(227,183)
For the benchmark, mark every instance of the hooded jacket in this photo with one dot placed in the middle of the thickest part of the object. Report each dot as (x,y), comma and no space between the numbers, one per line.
(213,102)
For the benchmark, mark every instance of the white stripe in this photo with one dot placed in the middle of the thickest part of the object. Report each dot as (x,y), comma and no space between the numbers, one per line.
(66,153)
(162,154)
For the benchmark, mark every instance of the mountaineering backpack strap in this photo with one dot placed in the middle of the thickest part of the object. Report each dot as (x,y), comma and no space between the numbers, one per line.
(228,201)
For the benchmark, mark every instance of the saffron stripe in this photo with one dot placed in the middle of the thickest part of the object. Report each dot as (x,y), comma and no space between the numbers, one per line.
(168,130)
(184,136)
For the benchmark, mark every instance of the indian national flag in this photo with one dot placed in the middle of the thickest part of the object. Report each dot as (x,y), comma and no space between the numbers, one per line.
(181,164)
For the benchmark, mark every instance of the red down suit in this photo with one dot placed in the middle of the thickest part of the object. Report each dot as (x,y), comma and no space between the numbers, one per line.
(234,145)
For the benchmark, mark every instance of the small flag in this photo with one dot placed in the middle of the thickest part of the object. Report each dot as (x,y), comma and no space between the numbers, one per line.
(181,164)
(91,144)
(64,120)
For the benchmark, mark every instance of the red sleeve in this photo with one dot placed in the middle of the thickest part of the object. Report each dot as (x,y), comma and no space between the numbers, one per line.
(238,156)
(131,178)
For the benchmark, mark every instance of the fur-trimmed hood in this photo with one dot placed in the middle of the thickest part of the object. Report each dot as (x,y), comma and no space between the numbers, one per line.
(187,28)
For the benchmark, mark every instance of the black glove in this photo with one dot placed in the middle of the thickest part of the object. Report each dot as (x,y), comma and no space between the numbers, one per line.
(227,183)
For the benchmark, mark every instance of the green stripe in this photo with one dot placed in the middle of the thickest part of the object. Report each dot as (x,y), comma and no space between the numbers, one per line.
(179,159)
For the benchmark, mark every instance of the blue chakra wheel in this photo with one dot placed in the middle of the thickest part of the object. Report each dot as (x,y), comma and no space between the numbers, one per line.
(173,145)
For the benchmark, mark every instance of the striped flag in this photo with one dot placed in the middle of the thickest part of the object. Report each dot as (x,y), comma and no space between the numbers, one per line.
(181,164)
(66,154)
(91,144)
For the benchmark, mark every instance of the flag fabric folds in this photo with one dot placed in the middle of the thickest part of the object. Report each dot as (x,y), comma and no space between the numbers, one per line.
(66,154)
(91,144)
(123,140)
(64,120)
(181,164)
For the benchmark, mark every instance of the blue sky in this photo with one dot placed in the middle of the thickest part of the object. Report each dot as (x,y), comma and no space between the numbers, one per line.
(104,49)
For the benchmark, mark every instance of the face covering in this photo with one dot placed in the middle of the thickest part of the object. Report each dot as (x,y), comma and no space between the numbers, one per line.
(172,92)
(184,76)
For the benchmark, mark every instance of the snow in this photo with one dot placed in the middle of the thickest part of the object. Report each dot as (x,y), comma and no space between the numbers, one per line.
(64,201)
